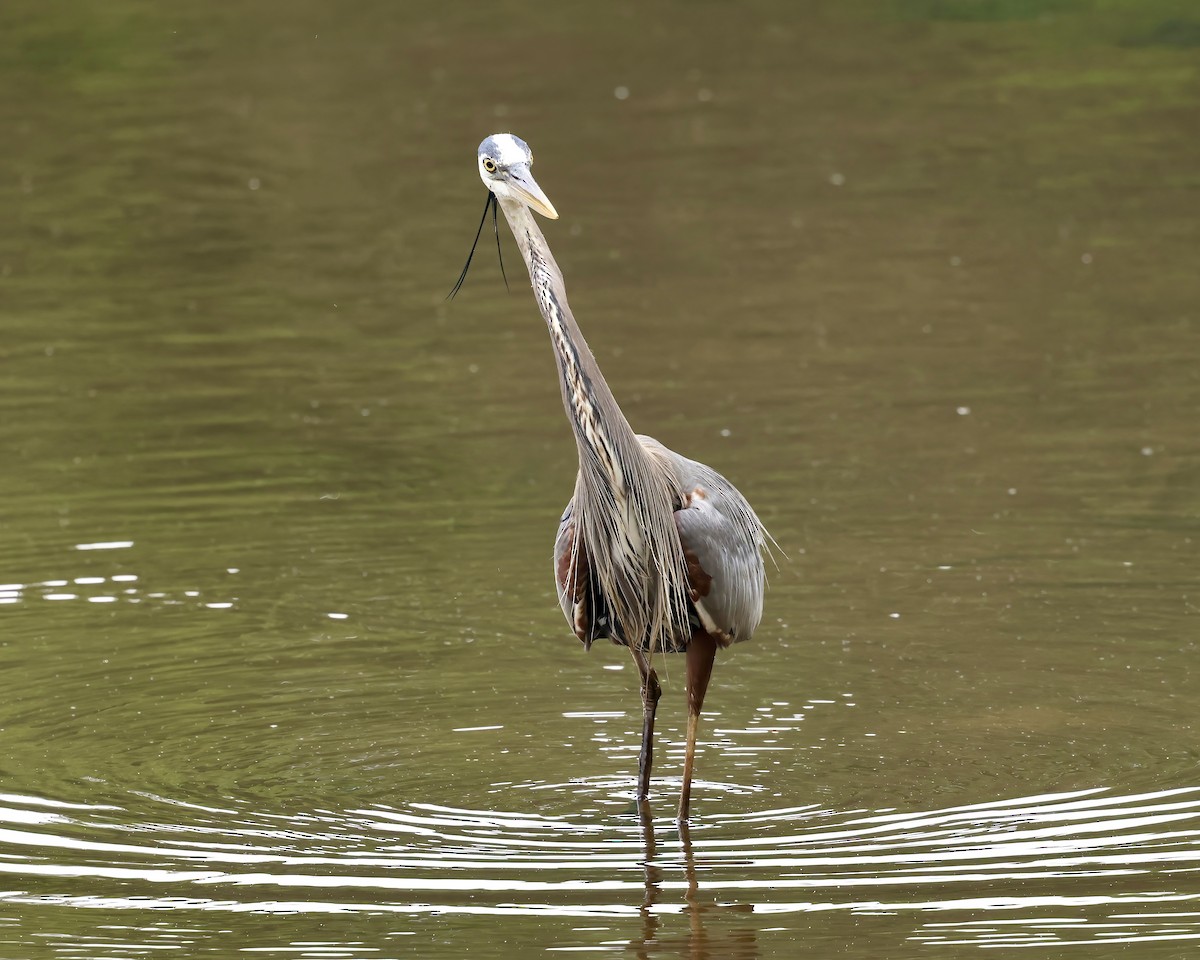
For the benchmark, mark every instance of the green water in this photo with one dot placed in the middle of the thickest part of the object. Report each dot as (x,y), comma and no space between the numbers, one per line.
(281,667)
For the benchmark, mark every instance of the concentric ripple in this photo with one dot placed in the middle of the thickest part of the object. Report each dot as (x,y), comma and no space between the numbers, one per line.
(977,875)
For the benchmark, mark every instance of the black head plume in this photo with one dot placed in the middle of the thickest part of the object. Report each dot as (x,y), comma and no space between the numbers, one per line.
(491,203)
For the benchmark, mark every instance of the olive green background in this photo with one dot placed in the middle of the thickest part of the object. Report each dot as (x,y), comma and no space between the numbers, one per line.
(921,278)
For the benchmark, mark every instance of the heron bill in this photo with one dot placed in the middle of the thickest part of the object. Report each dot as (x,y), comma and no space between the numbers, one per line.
(526,189)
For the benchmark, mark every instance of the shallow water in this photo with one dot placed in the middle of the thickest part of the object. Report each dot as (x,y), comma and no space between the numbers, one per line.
(282,668)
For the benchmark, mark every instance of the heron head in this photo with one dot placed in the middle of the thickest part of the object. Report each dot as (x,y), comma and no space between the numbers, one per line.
(504,162)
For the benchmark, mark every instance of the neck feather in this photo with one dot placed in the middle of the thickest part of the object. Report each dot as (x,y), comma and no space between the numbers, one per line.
(625,499)
(602,433)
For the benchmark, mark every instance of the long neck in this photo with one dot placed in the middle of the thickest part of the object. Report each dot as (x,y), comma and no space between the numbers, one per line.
(625,499)
(601,431)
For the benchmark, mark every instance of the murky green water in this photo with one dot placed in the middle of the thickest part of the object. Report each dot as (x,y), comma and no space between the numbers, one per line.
(282,669)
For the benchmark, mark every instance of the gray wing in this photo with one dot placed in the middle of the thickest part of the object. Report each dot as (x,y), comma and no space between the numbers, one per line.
(723,542)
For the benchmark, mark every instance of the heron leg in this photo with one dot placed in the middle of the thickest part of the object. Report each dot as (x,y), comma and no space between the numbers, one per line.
(651,691)
(701,652)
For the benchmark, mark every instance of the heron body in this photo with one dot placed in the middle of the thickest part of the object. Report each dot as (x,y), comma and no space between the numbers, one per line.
(654,551)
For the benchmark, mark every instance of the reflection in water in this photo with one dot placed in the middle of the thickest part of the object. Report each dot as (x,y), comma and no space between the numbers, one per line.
(983,869)
(951,254)
(697,940)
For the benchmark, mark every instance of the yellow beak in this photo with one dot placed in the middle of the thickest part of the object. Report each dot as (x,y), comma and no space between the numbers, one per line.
(526,189)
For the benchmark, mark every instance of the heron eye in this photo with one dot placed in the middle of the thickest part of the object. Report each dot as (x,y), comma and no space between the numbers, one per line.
(489,164)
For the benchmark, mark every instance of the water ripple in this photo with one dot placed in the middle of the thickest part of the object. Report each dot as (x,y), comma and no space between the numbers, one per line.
(983,868)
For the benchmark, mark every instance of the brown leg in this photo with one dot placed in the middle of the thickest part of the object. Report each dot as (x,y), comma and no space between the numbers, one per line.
(701,652)
(651,691)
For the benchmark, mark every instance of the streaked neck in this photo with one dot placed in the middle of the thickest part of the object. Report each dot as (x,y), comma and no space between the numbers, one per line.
(601,430)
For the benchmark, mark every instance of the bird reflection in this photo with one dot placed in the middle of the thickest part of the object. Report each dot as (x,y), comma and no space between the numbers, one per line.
(699,942)
(654,873)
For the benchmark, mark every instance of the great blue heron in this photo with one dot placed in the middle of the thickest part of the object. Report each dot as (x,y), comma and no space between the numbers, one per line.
(657,552)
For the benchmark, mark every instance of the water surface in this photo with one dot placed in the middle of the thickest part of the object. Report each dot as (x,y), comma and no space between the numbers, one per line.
(283,672)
